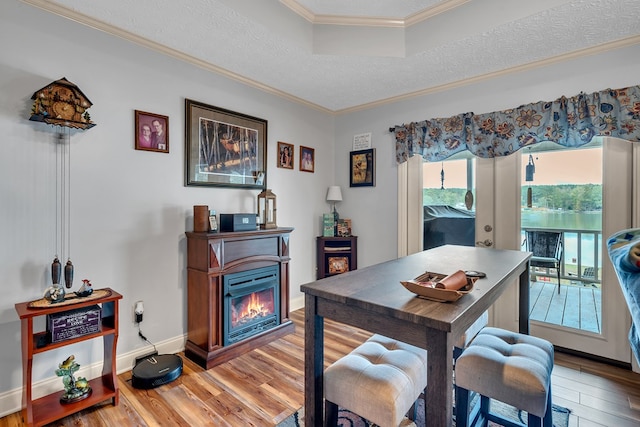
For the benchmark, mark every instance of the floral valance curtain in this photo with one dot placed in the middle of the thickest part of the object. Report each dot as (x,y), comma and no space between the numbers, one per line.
(571,122)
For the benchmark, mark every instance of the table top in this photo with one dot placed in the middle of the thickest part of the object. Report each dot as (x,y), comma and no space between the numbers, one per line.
(377,288)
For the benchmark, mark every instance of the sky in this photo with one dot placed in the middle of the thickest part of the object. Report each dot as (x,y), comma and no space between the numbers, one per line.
(551,168)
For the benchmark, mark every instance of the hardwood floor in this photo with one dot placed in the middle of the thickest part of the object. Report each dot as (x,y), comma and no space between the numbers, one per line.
(264,386)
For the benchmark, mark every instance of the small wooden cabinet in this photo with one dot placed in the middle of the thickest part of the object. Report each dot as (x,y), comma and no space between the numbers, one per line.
(48,409)
(336,255)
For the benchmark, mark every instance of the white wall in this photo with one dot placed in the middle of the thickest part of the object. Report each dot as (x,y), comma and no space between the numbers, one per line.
(373,209)
(129,208)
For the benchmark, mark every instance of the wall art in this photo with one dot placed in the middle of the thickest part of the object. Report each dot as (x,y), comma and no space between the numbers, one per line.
(285,155)
(151,132)
(307,159)
(224,148)
(362,171)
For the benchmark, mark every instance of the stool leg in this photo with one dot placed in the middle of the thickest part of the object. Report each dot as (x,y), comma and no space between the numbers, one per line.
(485,409)
(548,416)
(534,421)
(330,414)
(462,407)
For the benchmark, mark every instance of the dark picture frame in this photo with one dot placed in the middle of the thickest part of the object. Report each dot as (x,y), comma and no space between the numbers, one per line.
(362,168)
(151,132)
(224,148)
(285,155)
(307,159)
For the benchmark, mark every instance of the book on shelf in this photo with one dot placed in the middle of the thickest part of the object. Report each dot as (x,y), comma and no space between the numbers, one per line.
(328,225)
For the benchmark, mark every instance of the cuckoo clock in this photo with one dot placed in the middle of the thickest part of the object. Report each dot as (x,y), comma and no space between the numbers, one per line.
(61,103)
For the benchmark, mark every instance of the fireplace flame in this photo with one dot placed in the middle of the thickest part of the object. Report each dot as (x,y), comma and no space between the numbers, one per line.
(251,307)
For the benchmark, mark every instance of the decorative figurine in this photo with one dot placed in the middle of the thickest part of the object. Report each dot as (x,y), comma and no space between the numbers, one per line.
(54,293)
(75,389)
(86,289)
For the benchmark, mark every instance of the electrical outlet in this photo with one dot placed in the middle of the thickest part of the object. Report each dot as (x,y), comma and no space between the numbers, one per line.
(139,310)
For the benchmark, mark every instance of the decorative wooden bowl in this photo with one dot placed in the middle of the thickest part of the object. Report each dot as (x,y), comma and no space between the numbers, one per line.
(424,287)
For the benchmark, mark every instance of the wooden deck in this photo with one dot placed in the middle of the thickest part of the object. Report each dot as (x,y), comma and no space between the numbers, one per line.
(576,306)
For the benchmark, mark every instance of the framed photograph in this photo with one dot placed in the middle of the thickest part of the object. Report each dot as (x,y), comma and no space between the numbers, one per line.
(285,155)
(151,132)
(344,227)
(224,148)
(362,171)
(338,265)
(307,159)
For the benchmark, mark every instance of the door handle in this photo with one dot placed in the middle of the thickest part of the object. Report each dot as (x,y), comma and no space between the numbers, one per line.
(485,244)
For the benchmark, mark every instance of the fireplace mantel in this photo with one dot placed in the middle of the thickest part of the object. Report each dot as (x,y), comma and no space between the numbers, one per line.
(211,256)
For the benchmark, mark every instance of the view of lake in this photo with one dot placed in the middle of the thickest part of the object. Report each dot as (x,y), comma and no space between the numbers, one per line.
(569,220)
(564,220)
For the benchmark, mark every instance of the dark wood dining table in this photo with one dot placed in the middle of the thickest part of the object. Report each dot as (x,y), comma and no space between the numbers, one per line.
(372,298)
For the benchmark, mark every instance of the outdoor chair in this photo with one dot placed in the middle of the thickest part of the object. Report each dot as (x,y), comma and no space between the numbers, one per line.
(546,247)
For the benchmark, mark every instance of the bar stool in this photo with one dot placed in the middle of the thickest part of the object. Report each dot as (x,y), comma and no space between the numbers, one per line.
(380,380)
(506,366)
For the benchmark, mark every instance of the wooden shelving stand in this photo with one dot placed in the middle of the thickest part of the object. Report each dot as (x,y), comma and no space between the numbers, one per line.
(342,248)
(48,409)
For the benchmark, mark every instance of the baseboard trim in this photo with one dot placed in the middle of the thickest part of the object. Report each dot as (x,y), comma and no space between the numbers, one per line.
(11,401)
(595,358)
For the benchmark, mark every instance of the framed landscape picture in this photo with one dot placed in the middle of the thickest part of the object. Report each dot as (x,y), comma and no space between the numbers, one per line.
(224,148)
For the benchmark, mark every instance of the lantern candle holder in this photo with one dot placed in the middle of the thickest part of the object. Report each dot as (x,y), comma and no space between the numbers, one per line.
(267,210)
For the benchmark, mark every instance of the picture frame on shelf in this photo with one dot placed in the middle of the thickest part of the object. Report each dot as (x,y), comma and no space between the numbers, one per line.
(151,132)
(224,148)
(344,227)
(362,168)
(338,265)
(285,155)
(307,159)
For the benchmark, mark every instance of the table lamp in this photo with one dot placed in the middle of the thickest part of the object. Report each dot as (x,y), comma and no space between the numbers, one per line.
(334,195)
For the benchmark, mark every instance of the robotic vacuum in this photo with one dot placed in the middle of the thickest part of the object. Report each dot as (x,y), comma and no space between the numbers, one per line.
(154,371)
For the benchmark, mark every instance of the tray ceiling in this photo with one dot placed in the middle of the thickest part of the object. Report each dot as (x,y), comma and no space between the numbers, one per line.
(340,55)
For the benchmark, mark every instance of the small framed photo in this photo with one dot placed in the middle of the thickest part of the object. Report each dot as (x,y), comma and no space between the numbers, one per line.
(151,132)
(285,155)
(307,159)
(362,168)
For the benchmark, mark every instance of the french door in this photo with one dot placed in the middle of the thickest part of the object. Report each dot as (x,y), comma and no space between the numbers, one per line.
(497,202)
(503,175)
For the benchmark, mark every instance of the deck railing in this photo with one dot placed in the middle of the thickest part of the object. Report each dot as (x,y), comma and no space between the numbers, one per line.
(581,256)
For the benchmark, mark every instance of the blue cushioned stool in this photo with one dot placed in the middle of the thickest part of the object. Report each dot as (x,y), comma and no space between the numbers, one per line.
(506,366)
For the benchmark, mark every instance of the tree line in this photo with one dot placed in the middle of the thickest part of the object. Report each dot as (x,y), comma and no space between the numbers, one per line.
(568,197)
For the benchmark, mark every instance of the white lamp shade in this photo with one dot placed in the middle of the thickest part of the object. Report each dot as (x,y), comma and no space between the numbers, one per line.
(334,194)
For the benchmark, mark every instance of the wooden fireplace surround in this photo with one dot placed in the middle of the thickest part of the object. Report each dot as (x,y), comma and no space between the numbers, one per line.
(210,256)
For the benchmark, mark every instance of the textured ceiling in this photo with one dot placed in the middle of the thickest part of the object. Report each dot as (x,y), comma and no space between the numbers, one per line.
(347,54)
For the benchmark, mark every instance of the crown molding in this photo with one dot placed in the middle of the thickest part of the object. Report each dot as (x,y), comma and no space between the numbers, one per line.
(109,29)
(364,21)
(142,41)
(594,50)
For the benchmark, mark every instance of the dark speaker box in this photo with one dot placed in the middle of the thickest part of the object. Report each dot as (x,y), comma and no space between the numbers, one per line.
(238,222)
